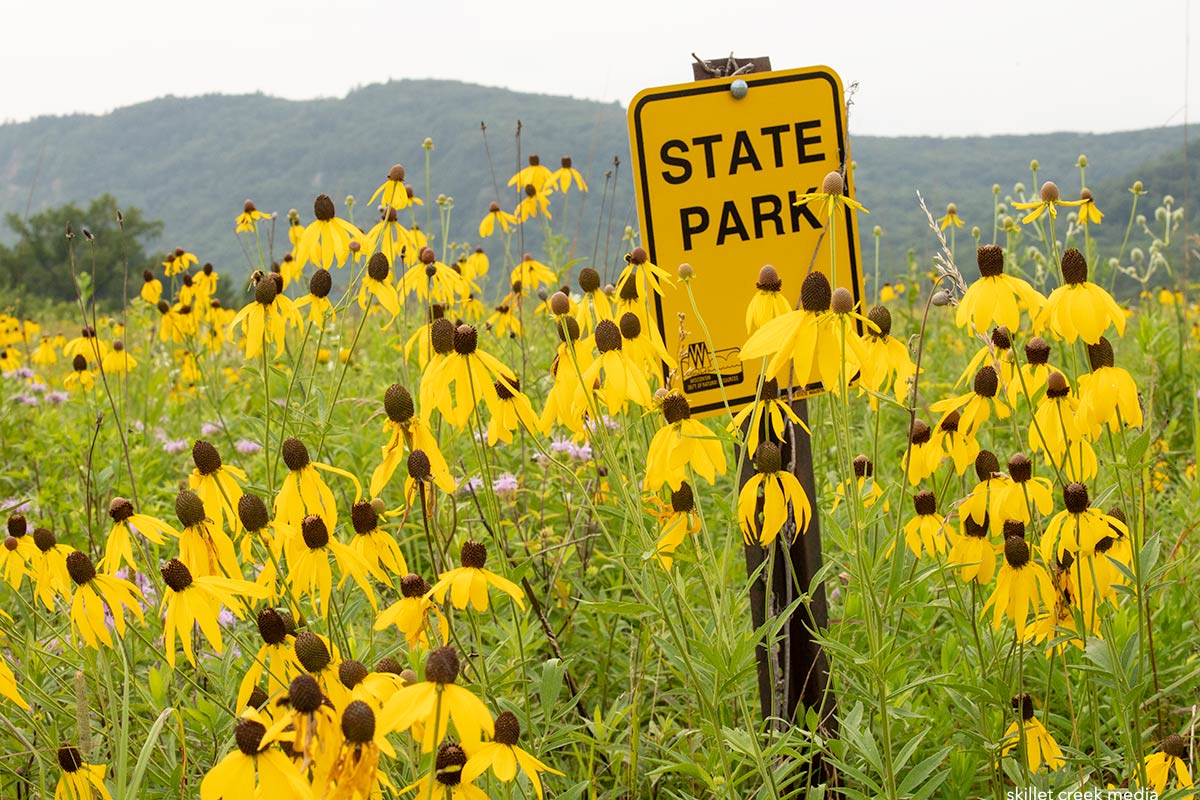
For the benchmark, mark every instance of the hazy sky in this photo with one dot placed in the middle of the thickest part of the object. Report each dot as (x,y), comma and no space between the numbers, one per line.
(935,67)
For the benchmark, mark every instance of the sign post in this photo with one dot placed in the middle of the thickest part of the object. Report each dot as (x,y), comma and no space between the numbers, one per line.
(720,165)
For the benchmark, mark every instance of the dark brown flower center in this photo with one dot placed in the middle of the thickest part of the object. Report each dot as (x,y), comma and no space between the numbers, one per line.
(311,651)
(398,403)
(675,408)
(189,508)
(1074,266)
(815,293)
(119,509)
(442,666)
(986,465)
(473,555)
(252,511)
(176,575)
(608,336)
(466,339)
(413,585)
(925,503)
(363,517)
(323,208)
(315,532)
(304,693)
(1016,551)
(768,279)
(205,457)
(1075,497)
(1020,468)
(69,758)
(80,567)
(419,468)
(1100,354)
(351,673)
(508,729)
(990,258)
(295,454)
(271,626)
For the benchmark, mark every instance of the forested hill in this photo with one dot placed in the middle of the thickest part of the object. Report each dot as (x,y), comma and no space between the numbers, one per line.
(191,162)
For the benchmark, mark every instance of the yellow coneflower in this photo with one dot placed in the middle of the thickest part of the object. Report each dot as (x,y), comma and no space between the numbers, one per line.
(476,265)
(997,353)
(768,301)
(48,568)
(392,192)
(682,444)
(1048,202)
(203,548)
(387,237)
(536,174)
(566,402)
(972,552)
(319,286)
(431,280)
(503,321)
(646,276)
(1171,757)
(924,532)
(623,380)
(118,361)
(530,274)
(1059,431)
(976,406)
(1079,309)
(86,344)
(487,225)
(79,780)
(256,766)
(414,614)
(320,659)
(644,345)
(885,359)
(92,593)
(1019,587)
(377,547)
(765,418)
(445,781)
(468,583)
(565,175)
(326,240)
(16,551)
(378,284)
(303,492)
(831,197)
(1014,499)
(1040,747)
(1108,394)
(356,774)
(266,316)
(762,518)
(921,458)
(406,429)
(249,217)
(595,304)
(1089,214)
(151,288)
(951,218)
(811,342)
(308,552)
(1078,526)
(504,756)
(119,547)
(984,499)
(45,354)
(468,374)
(679,519)
(436,702)
(996,298)
(511,411)
(960,447)
(276,657)
(206,281)
(1033,374)
(190,601)
(868,494)
(310,725)
(217,484)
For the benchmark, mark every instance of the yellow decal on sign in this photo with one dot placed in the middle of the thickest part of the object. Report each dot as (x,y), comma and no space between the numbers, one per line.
(718,178)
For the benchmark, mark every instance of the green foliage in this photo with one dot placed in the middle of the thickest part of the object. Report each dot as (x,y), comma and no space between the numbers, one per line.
(39,263)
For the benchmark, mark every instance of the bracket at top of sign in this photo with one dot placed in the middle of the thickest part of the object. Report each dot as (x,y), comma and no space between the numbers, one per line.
(703,69)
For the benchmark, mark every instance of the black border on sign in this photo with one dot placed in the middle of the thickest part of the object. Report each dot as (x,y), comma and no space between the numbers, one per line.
(766,79)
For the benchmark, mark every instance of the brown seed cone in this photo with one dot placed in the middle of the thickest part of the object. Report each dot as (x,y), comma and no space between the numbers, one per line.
(398,403)
(1074,266)
(990,258)
(252,511)
(986,465)
(295,454)
(351,672)
(768,279)
(815,293)
(358,721)
(441,666)
(311,651)
(189,508)
(323,208)
(304,694)
(176,575)
(473,555)
(315,532)
(881,318)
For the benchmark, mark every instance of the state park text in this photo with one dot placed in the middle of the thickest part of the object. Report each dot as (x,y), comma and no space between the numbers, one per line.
(720,157)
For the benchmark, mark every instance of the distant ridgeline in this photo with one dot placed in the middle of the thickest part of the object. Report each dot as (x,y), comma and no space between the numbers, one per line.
(191,163)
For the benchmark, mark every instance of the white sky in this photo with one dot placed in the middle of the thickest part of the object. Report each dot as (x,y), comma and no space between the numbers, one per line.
(938,67)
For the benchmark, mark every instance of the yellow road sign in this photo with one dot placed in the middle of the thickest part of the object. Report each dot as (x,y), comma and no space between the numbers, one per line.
(717,182)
